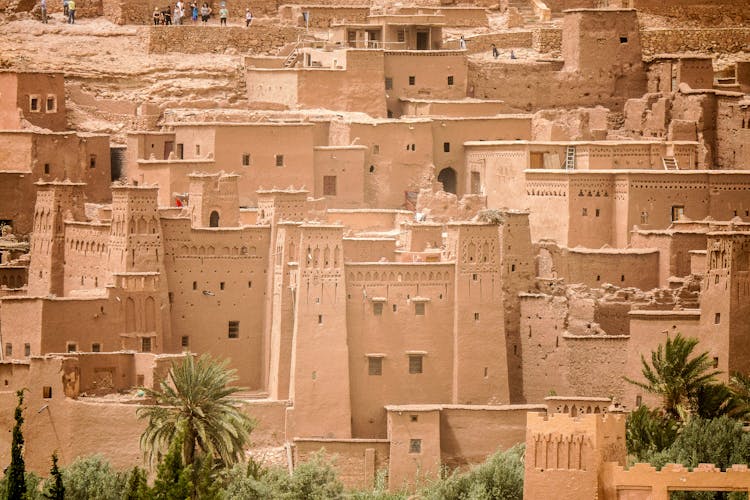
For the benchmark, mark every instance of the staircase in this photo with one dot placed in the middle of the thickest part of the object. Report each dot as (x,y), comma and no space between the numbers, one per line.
(291,59)
(524,8)
(670,163)
(570,158)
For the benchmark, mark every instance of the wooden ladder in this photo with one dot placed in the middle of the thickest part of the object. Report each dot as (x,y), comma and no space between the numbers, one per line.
(570,158)
(670,163)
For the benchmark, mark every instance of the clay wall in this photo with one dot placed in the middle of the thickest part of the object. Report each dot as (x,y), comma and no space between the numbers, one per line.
(357,461)
(170,175)
(262,38)
(272,88)
(454,132)
(85,256)
(358,87)
(345,165)
(269,416)
(504,40)
(731,135)
(410,306)
(636,268)
(17,209)
(702,40)
(649,329)
(224,270)
(675,250)
(266,145)
(547,41)
(461,16)
(463,108)
(38,98)
(438,75)
(376,219)
(414,433)
(460,443)
(323,16)
(369,249)
(144,145)
(398,157)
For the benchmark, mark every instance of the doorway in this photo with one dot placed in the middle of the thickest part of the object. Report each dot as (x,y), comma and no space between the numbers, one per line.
(447,177)
(423,40)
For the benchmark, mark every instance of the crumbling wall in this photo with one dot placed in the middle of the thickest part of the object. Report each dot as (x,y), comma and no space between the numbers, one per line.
(260,38)
(323,16)
(705,40)
(503,40)
(356,461)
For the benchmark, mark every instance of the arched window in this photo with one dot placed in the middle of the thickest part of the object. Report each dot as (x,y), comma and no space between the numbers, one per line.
(213,220)
(447,177)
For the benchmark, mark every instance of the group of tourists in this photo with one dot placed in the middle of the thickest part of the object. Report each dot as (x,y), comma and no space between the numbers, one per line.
(169,16)
(69,11)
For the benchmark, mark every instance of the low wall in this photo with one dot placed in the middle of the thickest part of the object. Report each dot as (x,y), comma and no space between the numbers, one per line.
(357,461)
(141,11)
(323,16)
(501,428)
(483,43)
(455,17)
(270,417)
(259,39)
(670,41)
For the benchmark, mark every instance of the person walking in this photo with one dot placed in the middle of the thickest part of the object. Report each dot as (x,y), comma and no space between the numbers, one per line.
(71,11)
(495,52)
(194,12)
(462,43)
(223,14)
(177,15)
(157,16)
(43,9)
(65,9)
(248,18)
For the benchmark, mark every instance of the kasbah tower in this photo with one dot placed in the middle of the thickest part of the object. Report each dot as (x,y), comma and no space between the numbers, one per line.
(419,232)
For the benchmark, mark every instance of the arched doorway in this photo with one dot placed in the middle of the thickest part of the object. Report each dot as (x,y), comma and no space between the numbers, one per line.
(447,177)
(213,220)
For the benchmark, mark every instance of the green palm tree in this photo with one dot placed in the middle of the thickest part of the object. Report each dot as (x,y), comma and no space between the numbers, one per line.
(739,384)
(676,376)
(195,399)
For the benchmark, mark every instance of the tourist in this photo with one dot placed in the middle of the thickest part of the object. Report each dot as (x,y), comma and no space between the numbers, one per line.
(43,9)
(71,11)
(495,52)
(167,13)
(177,15)
(65,9)
(194,12)
(248,18)
(462,43)
(205,12)
(513,54)
(157,16)
(223,14)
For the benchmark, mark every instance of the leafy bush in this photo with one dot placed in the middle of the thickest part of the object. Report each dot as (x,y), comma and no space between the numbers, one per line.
(92,478)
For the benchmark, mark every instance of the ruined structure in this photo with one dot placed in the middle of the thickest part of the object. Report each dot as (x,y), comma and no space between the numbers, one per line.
(395,236)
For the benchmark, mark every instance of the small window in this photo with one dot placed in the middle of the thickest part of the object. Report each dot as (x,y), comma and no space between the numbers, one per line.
(415,363)
(476,316)
(644,217)
(245,159)
(221,285)
(320,319)
(195,285)
(279,160)
(474,277)
(401,36)
(450,81)
(197,149)
(415,446)
(146,344)
(412,80)
(374,366)
(47,392)
(185,342)
(27,350)
(375,151)
(395,308)
(72,347)
(249,284)
(584,212)
(96,347)
(389,113)
(171,297)
(413,418)
(372,169)
(51,104)
(46,168)
(717,318)
(413,147)
(329,185)
(597,212)
(234,329)
(388,83)
(377,308)
(419,308)
(716,362)
(34,104)
(92,161)
(446,147)
(512,268)
(622,277)
(623,39)
(677,212)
